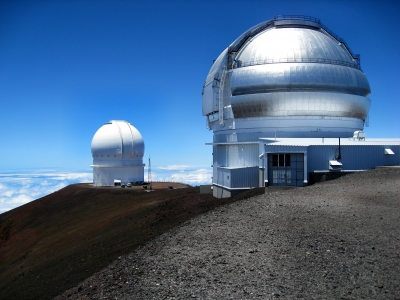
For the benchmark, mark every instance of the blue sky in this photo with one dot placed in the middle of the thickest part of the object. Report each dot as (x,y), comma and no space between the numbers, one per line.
(66,67)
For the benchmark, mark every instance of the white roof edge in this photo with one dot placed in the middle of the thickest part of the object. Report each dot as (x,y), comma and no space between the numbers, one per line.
(232,143)
(117,166)
(330,141)
(232,168)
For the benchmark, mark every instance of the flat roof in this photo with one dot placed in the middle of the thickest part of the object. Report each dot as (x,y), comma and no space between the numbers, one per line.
(232,143)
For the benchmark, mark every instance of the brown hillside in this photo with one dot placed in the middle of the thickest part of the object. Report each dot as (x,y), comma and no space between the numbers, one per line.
(53,243)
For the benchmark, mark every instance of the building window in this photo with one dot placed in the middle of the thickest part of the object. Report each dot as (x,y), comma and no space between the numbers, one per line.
(275,160)
(287,160)
(281,160)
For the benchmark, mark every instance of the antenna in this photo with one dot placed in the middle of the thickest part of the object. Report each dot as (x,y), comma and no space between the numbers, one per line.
(149,172)
(339,157)
(149,187)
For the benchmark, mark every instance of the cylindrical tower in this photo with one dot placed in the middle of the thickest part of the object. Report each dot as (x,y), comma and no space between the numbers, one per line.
(117,150)
(287,77)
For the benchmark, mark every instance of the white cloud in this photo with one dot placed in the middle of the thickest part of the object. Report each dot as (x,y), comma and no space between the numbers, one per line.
(21,199)
(5,192)
(19,188)
(175,167)
(193,175)
(82,177)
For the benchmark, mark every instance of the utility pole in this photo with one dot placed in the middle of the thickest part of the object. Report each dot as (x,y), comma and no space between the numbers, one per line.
(149,175)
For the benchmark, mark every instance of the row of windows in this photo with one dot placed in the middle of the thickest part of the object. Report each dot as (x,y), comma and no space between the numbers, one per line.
(281,160)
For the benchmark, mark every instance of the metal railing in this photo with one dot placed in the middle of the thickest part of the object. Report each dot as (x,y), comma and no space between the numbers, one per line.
(240,64)
(297,17)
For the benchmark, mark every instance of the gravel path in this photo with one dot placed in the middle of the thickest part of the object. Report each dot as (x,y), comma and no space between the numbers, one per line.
(337,240)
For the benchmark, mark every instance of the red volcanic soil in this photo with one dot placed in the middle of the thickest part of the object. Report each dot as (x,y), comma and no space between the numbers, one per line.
(51,244)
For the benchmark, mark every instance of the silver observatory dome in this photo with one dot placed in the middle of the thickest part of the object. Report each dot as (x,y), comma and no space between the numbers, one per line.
(288,77)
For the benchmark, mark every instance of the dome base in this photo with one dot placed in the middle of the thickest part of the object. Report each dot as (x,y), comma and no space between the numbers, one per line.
(107,176)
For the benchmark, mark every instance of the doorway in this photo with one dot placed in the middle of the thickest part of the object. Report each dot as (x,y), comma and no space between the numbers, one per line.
(286,169)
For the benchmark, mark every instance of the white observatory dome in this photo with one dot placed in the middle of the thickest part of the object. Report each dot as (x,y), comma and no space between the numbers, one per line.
(117,141)
(117,151)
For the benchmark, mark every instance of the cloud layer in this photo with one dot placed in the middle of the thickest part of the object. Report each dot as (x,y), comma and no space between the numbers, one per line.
(193,175)
(18,188)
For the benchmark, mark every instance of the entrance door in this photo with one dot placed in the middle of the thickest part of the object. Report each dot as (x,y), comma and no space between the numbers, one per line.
(285,169)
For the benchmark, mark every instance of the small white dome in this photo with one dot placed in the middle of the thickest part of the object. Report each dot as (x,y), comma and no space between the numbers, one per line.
(117,140)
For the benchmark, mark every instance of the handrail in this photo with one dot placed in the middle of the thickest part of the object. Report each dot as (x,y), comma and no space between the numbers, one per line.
(239,64)
(297,17)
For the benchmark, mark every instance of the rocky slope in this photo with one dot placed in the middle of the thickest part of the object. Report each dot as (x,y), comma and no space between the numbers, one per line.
(333,240)
(51,244)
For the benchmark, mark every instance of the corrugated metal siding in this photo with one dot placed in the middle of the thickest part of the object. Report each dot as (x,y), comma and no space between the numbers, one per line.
(222,177)
(237,178)
(236,155)
(284,149)
(220,159)
(238,137)
(319,156)
(368,157)
(242,155)
(244,177)
(360,157)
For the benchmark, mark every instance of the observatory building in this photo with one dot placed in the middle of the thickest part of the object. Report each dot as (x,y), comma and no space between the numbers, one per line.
(284,87)
(117,150)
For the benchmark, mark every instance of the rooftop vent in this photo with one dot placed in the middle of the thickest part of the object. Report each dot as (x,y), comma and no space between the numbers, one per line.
(359,135)
(389,151)
(335,165)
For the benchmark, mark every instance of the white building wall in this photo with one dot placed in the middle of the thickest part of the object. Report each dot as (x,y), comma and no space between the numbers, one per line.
(236,165)
(105,176)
